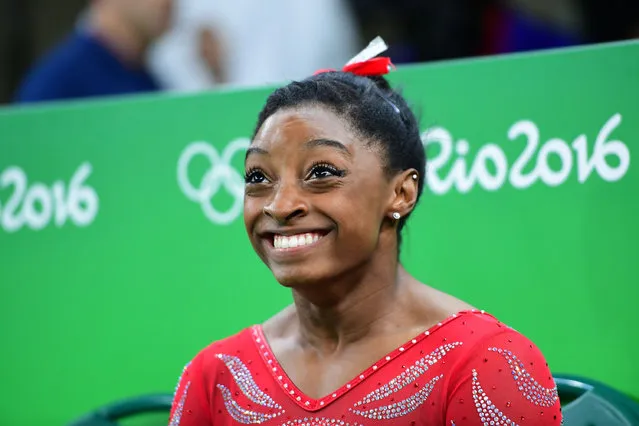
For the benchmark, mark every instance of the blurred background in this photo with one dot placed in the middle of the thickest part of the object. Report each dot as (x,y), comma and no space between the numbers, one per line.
(191,45)
(115,270)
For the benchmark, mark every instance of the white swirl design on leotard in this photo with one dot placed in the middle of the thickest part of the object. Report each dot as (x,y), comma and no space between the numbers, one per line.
(245,382)
(177,413)
(532,390)
(488,413)
(243,415)
(401,408)
(319,421)
(409,375)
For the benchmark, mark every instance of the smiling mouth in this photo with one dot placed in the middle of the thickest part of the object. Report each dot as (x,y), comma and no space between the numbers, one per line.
(287,242)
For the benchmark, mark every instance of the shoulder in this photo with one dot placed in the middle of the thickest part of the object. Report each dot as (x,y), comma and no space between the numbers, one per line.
(481,329)
(214,356)
(500,365)
(483,335)
(55,75)
(198,378)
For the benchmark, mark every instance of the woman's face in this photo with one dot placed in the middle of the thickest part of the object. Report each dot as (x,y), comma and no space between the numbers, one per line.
(316,196)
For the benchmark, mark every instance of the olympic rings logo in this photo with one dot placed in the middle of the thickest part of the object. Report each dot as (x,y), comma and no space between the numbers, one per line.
(220,174)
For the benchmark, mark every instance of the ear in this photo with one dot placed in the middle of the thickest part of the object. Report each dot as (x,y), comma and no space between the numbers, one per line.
(404,197)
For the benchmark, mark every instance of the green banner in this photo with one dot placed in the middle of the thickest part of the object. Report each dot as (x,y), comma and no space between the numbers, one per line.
(123,252)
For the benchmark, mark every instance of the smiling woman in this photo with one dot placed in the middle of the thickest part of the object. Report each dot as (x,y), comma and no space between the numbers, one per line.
(334,170)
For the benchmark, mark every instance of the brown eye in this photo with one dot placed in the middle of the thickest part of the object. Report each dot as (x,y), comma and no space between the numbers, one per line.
(254,176)
(323,170)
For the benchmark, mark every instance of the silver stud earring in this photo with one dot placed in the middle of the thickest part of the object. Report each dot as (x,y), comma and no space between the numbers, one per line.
(396,215)
(414,176)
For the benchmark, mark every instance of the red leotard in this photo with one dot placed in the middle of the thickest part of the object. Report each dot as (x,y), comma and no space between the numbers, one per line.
(467,370)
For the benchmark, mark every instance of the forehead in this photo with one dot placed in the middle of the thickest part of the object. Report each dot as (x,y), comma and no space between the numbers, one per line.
(298,125)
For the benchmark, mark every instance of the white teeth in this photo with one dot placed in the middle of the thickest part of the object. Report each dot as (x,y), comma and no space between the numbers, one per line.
(292,241)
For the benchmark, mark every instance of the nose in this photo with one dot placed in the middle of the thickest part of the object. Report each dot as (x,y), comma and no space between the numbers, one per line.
(286,203)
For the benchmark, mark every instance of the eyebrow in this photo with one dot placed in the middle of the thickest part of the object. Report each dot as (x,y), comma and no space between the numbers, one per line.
(255,150)
(313,143)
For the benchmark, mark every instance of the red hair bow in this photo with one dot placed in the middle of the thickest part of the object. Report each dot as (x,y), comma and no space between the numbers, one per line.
(371,67)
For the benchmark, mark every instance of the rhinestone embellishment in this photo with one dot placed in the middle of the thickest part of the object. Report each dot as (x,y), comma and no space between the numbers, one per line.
(245,382)
(318,421)
(488,413)
(177,386)
(315,404)
(527,385)
(401,408)
(409,375)
(177,414)
(243,415)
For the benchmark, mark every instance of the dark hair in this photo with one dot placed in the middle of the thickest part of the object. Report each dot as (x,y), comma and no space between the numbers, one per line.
(373,109)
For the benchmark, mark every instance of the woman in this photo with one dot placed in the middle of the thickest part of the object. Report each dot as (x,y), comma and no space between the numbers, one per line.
(334,170)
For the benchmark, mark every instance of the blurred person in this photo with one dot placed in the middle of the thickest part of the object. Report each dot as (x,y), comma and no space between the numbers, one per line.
(520,25)
(105,55)
(526,25)
(252,42)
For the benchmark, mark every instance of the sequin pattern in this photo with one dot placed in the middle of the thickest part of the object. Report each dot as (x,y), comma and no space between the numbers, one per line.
(245,382)
(177,386)
(243,415)
(531,389)
(409,375)
(400,408)
(177,413)
(319,421)
(488,413)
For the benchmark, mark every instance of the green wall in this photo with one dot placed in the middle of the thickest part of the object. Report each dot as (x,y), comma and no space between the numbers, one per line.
(120,258)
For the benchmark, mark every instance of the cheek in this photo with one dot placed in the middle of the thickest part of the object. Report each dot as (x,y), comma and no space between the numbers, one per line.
(251,215)
(361,218)
(252,210)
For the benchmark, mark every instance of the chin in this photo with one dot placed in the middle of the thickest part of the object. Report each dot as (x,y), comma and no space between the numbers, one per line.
(293,280)
(298,277)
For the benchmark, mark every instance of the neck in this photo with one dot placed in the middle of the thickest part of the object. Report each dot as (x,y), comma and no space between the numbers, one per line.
(121,38)
(358,305)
